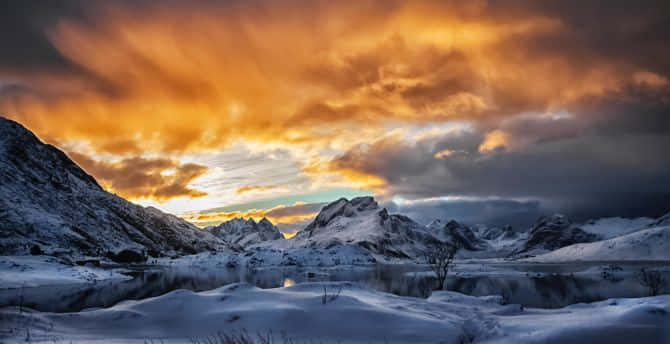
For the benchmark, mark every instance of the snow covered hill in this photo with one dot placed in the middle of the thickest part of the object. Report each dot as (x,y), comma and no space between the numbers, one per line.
(362,223)
(610,227)
(49,204)
(244,233)
(647,244)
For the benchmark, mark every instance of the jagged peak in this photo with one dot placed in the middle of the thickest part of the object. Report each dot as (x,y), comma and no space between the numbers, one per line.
(343,207)
(554,220)
(264,222)
(453,224)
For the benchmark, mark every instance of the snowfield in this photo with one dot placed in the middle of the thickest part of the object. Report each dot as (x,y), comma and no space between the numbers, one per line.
(648,244)
(354,315)
(34,271)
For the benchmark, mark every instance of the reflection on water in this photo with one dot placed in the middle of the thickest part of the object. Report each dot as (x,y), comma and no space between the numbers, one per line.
(555,286)
(288,283)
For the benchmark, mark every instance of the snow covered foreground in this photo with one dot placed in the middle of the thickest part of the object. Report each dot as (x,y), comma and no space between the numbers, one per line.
(357,315)
(33,271)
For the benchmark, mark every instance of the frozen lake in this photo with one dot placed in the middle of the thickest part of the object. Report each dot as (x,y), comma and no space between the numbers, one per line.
(532,285)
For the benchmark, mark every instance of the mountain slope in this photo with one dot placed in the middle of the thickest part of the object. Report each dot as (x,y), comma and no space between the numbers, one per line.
(647,244)
(553,232)
(610,227)
(245,233)
(362,223)
(49,204)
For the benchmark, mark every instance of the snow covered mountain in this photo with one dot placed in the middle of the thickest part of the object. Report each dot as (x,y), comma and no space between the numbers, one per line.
(552,232)
(49,204)
(244,233)
(647,244)
(362,223)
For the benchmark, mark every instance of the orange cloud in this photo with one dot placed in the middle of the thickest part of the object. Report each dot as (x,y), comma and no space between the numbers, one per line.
(140,178)
(184,78)
(493,140)
(254,188)
(283,214)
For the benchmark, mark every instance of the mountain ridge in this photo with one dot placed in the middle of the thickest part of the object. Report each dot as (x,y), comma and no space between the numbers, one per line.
(48,204)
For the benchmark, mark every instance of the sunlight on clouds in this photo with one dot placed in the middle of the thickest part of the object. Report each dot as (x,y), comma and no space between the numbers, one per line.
(493,140)
(240,101)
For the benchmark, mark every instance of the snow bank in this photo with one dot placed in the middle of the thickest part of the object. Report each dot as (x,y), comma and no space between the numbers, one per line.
(34,271)
(614,321)
(355,315)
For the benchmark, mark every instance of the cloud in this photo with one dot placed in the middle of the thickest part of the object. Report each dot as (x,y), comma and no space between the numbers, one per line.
(142,178)
(255,188)
(561,108)
(288,217)
(150,76)
(602,165)
(496,212)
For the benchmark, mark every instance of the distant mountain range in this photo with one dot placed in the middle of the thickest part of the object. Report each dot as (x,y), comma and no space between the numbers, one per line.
(49,205)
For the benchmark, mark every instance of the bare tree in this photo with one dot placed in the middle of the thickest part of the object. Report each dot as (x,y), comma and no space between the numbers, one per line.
(653,280)
(440,257)
(329,298)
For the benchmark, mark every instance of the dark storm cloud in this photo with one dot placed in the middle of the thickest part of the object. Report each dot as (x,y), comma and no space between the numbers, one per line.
(610,161)
(23,29)
(520,215)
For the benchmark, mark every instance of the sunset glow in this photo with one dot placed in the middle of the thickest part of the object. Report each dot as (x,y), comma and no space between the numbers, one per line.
(218,104)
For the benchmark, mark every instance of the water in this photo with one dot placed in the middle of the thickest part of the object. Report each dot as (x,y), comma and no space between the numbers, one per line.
(532,285)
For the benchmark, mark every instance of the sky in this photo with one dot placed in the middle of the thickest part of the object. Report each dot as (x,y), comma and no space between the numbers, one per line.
(482,111)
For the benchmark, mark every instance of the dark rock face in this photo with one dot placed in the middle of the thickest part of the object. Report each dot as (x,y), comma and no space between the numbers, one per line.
(462,236)
(35,250)
(46,199)
(127,256)
(553,232)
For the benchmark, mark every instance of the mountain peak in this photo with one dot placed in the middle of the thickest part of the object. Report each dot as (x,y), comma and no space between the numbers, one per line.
(25,152)
(50,202)
(343,207)
(244,233)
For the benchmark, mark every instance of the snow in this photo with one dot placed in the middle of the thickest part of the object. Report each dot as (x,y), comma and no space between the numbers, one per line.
(357,315)
(34,271)
(648,244)
(610,227)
